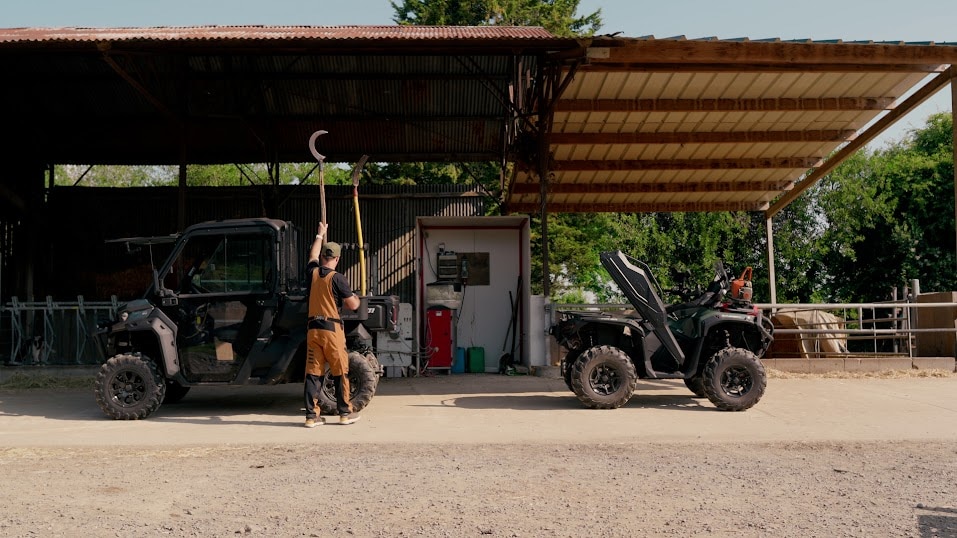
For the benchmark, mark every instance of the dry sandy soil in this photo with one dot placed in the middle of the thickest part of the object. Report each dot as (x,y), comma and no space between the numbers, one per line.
(274,487)
(635,489)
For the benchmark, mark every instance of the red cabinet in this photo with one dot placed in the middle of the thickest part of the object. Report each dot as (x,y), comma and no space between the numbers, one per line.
(440,335)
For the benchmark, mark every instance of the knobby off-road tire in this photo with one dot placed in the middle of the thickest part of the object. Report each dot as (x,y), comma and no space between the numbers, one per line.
(696,385)
(174,392)
(604,378)
(129,387)
(362,385)
(734,379)
(568,364)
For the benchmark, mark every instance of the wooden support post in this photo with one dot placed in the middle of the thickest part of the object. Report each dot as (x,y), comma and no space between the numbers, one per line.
(953,117)
(771,276)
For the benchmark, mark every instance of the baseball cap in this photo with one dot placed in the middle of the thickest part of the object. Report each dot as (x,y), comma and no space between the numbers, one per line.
(331,250)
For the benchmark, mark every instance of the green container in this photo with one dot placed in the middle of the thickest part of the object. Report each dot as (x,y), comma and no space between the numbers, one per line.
(476,360)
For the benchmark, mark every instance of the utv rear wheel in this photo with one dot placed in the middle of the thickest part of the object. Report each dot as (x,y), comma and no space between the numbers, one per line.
(696,385)
(734,379)
(603,378)
(129,387)
(174,392)
(362,385)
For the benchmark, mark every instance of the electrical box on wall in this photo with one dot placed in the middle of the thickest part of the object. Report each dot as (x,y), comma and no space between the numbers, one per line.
(447,265)
(470,268)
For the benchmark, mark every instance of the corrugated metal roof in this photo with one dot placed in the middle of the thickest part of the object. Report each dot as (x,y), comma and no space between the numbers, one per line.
(209,94)
(190,33)
(644,124)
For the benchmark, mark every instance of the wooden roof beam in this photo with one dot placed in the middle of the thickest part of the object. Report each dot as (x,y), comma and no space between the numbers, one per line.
(724,105)
(675,207)
(736,137)
(653,187)
(802,163)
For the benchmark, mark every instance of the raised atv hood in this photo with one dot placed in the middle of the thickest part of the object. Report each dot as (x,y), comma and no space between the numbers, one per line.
(635,280)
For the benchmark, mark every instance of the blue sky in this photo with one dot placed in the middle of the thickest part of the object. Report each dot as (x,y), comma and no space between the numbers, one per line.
(878,20)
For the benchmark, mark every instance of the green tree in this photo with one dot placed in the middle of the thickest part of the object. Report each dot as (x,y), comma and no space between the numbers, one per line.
(557,16)
(890,216)
(114,175)
(198,175)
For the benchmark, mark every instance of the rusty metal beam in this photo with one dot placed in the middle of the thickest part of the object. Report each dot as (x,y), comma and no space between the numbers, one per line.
(686,164)
(725,105)
(737,137)
(105,47)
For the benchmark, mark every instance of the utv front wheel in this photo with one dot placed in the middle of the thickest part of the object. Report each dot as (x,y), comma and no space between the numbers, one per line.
(362,385)
(129,387)
(604,378)
(174,392)
(734,379)
(696,385)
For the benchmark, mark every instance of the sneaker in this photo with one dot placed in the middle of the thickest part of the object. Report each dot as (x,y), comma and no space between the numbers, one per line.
(313,422)
(348,419)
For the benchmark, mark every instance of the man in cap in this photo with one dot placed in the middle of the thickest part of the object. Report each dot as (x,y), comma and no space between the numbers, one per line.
(325,337)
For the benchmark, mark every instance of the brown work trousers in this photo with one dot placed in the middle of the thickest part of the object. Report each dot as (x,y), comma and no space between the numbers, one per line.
(325,347)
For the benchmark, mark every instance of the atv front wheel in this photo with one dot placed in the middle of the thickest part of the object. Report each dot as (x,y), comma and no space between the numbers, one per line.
(734,379)
(129,387)
(362,385)
(604,378)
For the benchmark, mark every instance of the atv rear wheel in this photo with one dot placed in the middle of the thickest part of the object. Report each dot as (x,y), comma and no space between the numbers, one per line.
(604,378)
(567,364)
(696,385)
(734,379)
(362,385)
(129,387)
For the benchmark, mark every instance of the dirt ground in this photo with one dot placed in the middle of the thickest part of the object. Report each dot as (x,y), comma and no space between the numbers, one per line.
(228,470)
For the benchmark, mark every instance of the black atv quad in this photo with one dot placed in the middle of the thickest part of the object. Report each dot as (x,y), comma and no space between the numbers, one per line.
(714,344)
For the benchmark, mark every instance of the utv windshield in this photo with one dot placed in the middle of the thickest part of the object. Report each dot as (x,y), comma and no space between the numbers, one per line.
(221,263)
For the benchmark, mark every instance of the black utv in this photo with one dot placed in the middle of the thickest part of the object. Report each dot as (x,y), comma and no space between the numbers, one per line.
(713,342)
(228,306)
